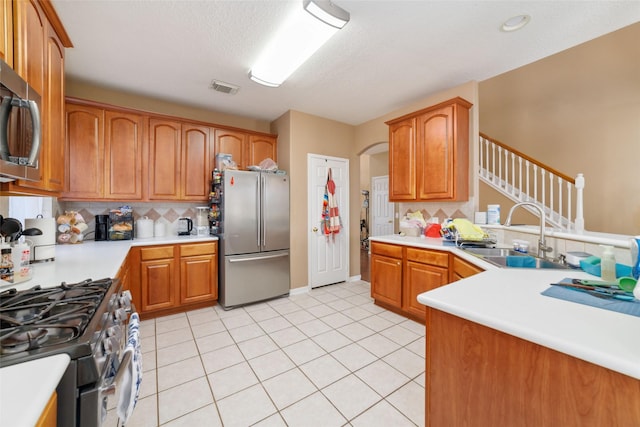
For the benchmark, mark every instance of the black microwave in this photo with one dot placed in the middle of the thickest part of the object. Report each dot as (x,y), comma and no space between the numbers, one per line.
(20,128)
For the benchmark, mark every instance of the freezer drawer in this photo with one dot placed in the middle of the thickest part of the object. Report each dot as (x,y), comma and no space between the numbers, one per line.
(253,277)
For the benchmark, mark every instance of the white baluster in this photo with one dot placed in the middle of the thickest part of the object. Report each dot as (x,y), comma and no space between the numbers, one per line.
(493,163)
(527,165)
(551,199)
(543,173)
(560,200)
(486,148)
(513,174)
(520,178)
(500,166)
(535,182)
(569,207)
(579,202)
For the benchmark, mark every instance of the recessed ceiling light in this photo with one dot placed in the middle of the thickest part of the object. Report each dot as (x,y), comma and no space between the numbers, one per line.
(515,23)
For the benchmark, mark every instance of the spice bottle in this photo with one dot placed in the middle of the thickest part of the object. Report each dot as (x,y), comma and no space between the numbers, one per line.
(6,265)
(608,264)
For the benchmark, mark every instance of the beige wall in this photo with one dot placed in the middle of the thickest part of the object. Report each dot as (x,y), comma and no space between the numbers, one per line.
(97,93)
(579,112)
(302,134)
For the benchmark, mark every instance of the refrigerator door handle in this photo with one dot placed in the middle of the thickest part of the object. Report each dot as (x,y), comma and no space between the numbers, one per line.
(258,258)
(259,212)
(263,241)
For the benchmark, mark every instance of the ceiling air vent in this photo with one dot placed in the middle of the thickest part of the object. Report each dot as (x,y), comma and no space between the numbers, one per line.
(223,87)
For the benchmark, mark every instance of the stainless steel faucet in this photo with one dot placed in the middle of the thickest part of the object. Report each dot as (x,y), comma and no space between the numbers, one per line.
(542,244)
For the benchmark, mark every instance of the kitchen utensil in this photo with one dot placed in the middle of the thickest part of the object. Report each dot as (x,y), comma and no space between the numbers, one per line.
(598,292)
(185,226)
(11,228)
(625,283)
(43,246)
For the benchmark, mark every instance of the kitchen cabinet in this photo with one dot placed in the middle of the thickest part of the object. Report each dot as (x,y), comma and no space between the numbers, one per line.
(167,279)
(386,274)
(425,270)
(429,153)
(179,167)
(40,40)
(400,273)
(49,415)
(84,154)
(474,372)
(246,149)
(461,268)
(6,32)
(103,154)
(198,273)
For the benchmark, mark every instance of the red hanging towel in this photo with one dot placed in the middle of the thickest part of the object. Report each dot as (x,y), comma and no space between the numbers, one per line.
(334,215)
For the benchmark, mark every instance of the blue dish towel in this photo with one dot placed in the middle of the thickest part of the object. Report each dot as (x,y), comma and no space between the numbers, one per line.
(626,307)
(521,261)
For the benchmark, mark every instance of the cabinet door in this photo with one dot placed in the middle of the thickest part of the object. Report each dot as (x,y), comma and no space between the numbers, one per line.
(262,147)
(402,160)
(421,278)
(53,114)
(29,54)
(6,32)
(196,172)
(158,284)
(123,156)
(164,159)
(84,155)
(234,143)
(436,154)
(386,280)
(462,269)
(198,278)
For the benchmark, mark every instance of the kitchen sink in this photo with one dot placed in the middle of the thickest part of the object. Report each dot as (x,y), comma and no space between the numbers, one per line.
(508,258)
(500,252)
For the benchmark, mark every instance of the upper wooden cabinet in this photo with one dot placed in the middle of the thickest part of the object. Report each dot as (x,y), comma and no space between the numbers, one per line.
(103,154)
(245,149)
(6,32)
(179,167)
(429,153)
(33,40)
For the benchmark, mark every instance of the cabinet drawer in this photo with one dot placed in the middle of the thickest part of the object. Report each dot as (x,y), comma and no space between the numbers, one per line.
(156,252)
(198,249)
(392,251)
(426,256)
(462,268)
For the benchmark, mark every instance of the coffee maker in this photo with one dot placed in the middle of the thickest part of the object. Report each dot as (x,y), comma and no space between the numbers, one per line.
(102,227)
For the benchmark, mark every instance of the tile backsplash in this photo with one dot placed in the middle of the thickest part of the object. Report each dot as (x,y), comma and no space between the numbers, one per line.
(163,211)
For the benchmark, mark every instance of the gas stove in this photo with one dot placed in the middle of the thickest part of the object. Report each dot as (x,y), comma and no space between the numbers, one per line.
(86,320)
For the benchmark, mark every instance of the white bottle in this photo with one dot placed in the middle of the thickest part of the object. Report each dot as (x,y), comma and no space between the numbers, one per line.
(608,264)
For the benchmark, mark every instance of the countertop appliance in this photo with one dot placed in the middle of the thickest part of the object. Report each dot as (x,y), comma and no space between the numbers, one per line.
(43,246)
(20,127)
(185,226)
(253,230)
(86,320)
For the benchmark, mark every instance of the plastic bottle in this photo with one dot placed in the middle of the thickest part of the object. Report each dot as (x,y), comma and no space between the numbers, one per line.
(608,264)
(635,257)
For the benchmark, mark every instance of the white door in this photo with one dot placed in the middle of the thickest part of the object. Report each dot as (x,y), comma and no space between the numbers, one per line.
(381,208)
(328,255)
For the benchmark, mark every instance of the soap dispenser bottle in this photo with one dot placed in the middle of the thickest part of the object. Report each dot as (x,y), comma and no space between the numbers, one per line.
(608,264)
(635,257)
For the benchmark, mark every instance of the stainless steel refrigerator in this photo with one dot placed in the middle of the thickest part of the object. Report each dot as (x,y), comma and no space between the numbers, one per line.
(254,237)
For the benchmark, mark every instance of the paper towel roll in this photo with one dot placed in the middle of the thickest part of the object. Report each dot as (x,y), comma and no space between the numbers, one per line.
(43,247)
(144,228)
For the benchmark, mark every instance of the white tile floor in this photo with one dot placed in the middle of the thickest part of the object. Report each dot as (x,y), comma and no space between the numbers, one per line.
(329,357)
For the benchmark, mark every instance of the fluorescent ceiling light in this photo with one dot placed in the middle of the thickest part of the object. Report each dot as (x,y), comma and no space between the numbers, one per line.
(301,36)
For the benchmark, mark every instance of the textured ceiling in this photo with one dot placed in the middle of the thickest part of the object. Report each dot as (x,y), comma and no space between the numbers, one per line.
(391,53)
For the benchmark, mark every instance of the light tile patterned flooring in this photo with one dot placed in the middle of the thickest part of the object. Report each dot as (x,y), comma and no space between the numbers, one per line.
(329,357)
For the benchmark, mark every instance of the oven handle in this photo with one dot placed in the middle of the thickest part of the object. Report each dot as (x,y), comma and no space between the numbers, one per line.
(110,389)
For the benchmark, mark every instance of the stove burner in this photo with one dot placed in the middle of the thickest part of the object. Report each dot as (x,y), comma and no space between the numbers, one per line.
(42,317)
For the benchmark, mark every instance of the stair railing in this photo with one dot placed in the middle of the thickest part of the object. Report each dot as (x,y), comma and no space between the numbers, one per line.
(524,179)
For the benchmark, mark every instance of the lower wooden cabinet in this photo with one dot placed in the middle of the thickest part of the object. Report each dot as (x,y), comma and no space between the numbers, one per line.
(168,279)
(424,270)
(49,417)
(386,273)
(461,269)
(400,273)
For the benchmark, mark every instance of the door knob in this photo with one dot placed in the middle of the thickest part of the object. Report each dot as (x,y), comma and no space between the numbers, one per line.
(314,229)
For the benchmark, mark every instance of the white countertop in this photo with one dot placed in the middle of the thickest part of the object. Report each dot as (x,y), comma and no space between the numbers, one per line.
(509,300)
(25,388)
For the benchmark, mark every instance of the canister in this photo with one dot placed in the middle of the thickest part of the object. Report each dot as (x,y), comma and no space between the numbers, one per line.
(493,214)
